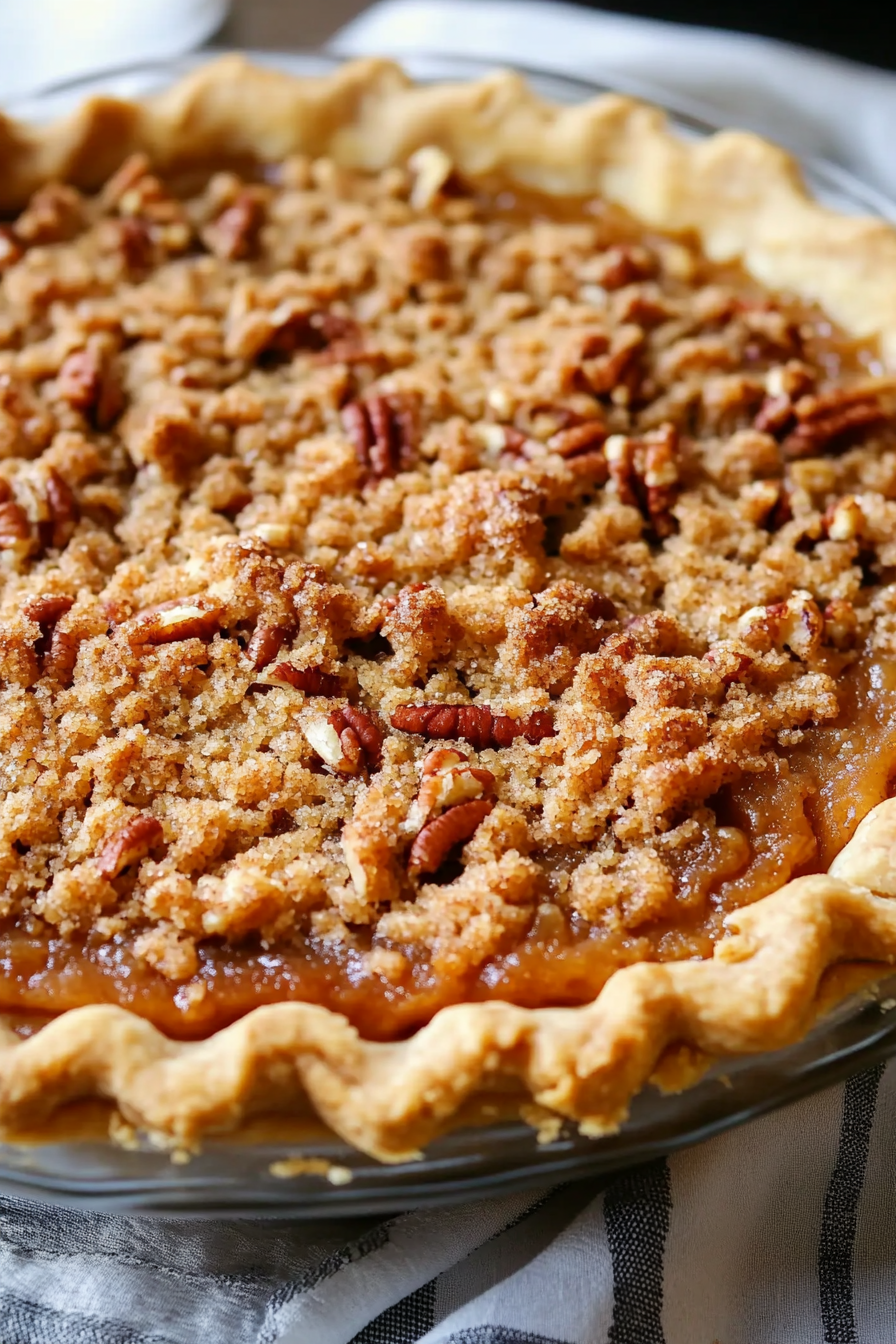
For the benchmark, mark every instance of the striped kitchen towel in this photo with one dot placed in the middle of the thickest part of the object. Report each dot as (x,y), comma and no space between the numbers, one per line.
(781,1232)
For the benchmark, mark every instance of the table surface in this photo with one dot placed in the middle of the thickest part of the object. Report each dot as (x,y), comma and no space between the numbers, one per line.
(284,24)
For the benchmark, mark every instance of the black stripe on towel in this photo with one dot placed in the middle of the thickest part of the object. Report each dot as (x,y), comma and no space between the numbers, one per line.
(405,1322)
(637,1207)
(841,1203)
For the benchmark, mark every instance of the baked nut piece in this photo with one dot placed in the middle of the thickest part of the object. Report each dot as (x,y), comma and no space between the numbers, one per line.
(448,624)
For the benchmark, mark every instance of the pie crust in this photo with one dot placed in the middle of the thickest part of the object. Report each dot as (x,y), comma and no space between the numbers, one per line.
(790,953)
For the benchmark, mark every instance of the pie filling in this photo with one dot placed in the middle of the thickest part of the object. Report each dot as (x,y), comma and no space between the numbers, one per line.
(416,592)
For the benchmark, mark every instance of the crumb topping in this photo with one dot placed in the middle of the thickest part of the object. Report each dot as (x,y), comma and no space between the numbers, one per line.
(389,561)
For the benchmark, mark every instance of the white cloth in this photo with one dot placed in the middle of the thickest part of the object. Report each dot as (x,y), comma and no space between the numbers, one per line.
(781,1232)
(45,41)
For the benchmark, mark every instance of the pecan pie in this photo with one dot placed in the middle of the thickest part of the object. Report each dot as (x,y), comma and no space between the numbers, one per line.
(448,623)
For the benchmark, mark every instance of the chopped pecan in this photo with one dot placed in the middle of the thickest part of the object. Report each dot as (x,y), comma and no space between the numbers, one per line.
(432,172)
(446,779)
(311,680)
(796,624)
(54,214)
(793,379)
(234,234)
(88,382)
(265,644)
(125,178)
(147,198)
(645,472)
(438,837)
(622,264)
(770,333)
(589,468)
(338,338)
(345,740)
(181,618)
(10,251)
(384,434)
(504,438)
(131,239)
(476,724)
(129,845)
(578,439)
(775,415)
(63,508)
(782,509)
(15,530)
(844,519)
(32,421)
(618,369)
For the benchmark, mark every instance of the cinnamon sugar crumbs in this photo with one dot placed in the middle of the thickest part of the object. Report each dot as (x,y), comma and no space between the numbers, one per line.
(417,448)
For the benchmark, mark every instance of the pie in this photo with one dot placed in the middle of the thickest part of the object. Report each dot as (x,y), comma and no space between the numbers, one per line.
(448,623)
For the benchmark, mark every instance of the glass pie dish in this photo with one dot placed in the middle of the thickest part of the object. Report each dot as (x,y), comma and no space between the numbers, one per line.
(315,1172)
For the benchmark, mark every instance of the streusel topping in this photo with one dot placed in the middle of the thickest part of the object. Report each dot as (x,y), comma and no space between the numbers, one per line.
(394,566)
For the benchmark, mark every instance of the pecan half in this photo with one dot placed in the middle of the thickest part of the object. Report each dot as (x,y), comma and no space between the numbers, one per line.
(168,622)
(87,381)
(833,421)
(311,680)
(129,845)
(265,644)
(646,474)
(365,729)
(63,508)
(438,837)
(345,740)
(46,611)
(57,650)
(476,724)
(383,432)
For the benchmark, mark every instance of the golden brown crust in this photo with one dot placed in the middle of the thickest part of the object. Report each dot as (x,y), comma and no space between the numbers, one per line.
(744,201)
(761,990)
(742,196)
